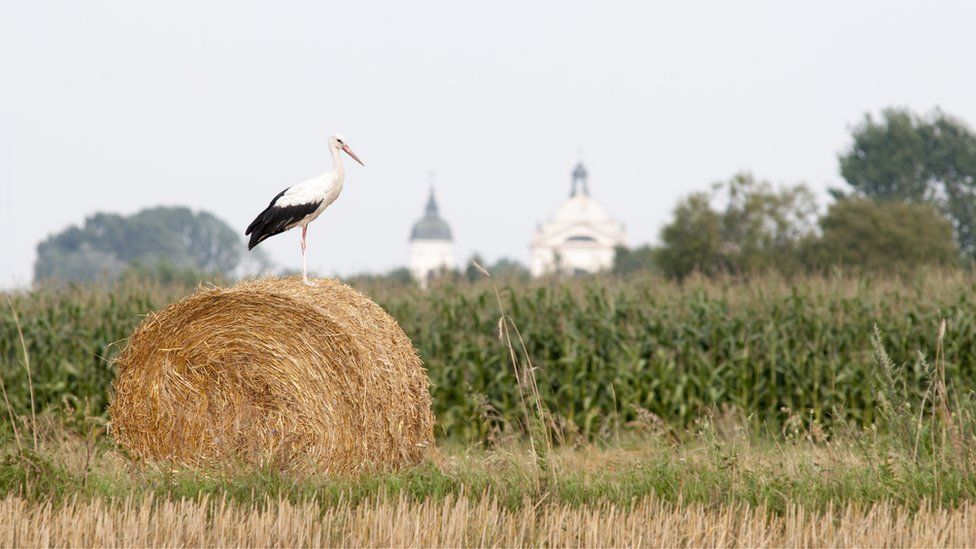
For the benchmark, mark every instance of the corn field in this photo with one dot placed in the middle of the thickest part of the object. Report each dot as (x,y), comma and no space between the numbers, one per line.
(607,351)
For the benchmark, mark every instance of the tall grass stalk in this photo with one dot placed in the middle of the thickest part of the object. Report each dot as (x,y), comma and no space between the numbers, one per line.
(30,383)
(525,378)
(937,417)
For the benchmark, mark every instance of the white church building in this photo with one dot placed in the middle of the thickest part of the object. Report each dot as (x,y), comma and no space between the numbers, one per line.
(431,244)
(579,237)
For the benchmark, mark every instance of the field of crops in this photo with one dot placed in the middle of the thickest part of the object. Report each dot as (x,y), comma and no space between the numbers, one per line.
(606,351)
(764,411)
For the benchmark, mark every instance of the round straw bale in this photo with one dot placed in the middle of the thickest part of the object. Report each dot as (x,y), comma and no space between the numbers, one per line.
(273,372)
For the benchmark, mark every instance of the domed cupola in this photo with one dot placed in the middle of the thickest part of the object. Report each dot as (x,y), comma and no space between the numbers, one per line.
(431,244)
(431,226)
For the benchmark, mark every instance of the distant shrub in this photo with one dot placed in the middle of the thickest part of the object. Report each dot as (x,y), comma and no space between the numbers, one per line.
(883,237)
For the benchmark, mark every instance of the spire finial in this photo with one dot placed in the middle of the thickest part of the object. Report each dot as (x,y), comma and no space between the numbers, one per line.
(580,183)
(431,201)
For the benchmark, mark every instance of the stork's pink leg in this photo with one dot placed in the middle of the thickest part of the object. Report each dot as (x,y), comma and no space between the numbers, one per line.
(304,262)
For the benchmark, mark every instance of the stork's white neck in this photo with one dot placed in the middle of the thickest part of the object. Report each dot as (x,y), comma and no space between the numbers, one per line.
(337,161)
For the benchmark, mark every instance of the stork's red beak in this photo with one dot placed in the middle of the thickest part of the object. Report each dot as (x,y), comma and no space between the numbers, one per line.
(352,154)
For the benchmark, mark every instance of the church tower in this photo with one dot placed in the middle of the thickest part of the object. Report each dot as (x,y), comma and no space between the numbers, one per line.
(431,244)
(579,237)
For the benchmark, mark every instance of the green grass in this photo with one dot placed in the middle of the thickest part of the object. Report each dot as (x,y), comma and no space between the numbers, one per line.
(697,470)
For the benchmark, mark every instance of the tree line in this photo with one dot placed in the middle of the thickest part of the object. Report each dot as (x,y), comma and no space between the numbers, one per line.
(908,202)
(168,244)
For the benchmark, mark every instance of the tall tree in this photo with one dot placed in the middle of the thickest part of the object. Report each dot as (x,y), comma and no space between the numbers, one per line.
(174,238)
(907,157)
(210,244)
(693,240)
(742,225)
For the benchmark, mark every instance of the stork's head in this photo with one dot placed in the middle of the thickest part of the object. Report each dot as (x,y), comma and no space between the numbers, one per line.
(339,142)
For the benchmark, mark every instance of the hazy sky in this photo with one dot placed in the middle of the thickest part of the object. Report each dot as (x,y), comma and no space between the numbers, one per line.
(219,105)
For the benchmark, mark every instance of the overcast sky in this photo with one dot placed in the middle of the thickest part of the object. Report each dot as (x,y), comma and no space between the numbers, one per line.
(219,105)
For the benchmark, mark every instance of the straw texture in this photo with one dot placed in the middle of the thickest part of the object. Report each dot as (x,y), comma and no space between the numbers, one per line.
(273,373)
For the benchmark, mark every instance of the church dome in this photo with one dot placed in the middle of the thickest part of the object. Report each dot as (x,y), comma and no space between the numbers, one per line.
(580,208)
(431,226)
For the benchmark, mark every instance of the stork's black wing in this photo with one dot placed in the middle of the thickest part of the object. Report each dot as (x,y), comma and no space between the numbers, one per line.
(277,219)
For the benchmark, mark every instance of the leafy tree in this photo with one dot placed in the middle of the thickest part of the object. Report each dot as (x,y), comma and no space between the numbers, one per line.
(883,236)
(755,227)
(210,244)
(471,272)
(400,275)
(693,241)
(911,158)
(398,278)
(509,269)
(168,240)
(632,260)
(82,263)
(503,268)
(165,272)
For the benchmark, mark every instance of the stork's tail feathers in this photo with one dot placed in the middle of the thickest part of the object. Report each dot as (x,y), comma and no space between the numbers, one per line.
(262,229)
(259,230)
(254,241)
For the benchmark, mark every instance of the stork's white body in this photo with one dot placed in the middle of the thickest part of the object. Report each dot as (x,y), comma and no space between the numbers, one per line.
(300,204)
(324,189)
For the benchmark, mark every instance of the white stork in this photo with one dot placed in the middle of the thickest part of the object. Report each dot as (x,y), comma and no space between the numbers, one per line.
(300,204)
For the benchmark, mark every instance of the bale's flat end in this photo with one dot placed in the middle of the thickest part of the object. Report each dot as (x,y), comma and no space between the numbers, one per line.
(273,372)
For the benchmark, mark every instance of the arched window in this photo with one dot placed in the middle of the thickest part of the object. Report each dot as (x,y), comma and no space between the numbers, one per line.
(580,238)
